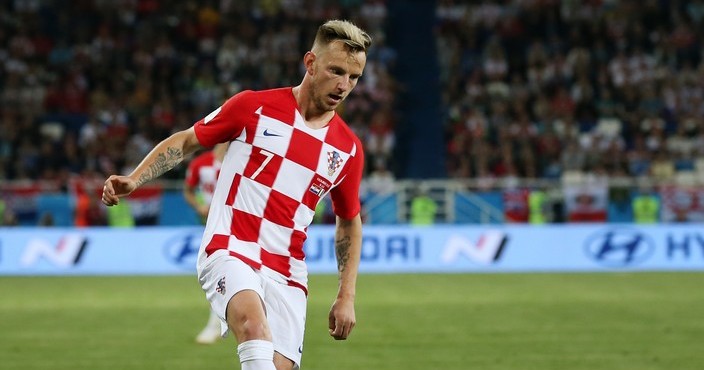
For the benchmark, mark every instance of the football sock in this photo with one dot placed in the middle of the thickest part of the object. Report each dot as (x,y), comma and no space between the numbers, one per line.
(256,355)
(213,320)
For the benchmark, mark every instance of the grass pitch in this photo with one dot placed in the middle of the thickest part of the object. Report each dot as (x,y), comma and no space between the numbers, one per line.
(412,322)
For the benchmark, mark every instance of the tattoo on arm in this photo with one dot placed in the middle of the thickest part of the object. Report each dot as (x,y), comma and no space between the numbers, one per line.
(163,163)
(342,250)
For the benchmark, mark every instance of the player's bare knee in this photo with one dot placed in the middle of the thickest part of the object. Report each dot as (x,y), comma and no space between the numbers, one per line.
(247,326)
(253,329)
(246,317)
(245,305)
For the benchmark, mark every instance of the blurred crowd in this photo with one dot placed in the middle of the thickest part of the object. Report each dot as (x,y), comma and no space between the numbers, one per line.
(531,88)
(88,87)
(546,88)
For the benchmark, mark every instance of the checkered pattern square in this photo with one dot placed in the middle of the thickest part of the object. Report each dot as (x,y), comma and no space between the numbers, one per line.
(272,135)
(242,203)
(281,209)
(259,159)
(293,179)
(245,226)
(275,237)
(302,145)
(303,216)
(234,186)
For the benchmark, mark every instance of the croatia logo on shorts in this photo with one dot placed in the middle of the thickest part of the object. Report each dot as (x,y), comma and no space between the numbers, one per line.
(221,286)
(334,162)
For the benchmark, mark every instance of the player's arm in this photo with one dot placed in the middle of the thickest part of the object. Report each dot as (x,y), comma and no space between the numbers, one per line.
(348,248)
(189,193)
(165,156)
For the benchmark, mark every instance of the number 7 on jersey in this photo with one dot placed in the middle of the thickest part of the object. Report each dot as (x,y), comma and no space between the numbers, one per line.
(269,156)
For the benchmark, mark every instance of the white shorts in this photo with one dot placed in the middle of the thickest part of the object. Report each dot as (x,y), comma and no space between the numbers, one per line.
(222,276)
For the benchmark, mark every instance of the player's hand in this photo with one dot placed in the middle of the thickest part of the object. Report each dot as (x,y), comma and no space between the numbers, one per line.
(203,210)
(116,187)
(341,320)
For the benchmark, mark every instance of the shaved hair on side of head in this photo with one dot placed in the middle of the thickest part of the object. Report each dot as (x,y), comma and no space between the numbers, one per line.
(354,37)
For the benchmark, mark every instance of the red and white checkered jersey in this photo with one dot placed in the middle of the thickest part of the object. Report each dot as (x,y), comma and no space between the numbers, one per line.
(275,172)
(202,173)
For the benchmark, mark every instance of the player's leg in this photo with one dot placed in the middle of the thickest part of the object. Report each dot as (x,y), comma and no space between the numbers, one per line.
(211,332)
(286,317)
(282,363)
(246,318)
(234,291)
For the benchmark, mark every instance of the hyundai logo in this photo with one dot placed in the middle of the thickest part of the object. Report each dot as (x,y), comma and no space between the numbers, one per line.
(182,250)
(619,247)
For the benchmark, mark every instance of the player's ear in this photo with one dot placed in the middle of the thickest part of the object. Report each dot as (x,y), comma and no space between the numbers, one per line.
(308,61)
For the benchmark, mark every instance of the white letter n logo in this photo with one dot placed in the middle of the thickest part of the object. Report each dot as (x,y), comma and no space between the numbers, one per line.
(66,253)
(487,250)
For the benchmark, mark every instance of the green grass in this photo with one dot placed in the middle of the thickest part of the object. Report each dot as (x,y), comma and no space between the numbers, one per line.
(495,321)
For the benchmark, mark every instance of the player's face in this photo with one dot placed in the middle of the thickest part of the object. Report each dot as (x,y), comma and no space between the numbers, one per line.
(337,71)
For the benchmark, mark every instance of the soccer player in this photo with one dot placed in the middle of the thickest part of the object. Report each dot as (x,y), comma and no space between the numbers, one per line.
(199,186)
(288,149)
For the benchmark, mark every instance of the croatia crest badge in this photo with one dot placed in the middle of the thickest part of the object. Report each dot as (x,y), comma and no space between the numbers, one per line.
(334,162)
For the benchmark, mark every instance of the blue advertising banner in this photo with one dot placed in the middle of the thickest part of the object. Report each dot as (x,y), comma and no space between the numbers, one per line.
(99,251)
(386,249)
(518,248)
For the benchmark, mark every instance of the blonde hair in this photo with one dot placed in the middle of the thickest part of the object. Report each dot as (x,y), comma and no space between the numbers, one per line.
(354,37)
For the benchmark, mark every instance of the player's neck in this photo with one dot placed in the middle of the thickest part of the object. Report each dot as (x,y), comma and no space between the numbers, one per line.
(314,117)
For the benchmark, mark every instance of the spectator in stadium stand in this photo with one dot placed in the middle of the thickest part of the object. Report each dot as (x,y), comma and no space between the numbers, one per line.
(82,210)
(7,217)
(87,211)
(199,187)
(289,148)
(423,208)
(646,206)
(537,204)
(380,180)
(46,220)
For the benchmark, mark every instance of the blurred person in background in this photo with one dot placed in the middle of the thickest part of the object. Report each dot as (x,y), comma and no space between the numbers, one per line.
(380,181)
(289,148)
(646,205)
(199,187)
(7,216)
(423,207)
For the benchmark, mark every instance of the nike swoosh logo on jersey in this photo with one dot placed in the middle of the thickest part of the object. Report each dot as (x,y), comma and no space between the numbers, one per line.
(267,133)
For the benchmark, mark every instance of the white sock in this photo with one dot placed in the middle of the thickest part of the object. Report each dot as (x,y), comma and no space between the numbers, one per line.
(213,320)
(256,355)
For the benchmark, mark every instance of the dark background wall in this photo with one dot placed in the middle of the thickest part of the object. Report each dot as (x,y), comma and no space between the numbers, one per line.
(419,148)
